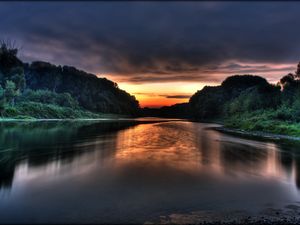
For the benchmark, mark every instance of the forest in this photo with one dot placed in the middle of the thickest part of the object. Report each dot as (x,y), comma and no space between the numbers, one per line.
(250,103)
(246,102)
(42,90)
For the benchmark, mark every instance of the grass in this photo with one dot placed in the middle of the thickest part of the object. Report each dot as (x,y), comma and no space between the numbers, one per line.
(264,121)
(35,110)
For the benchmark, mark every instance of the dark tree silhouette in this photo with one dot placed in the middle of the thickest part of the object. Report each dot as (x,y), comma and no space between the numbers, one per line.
(297,73)
(66,84)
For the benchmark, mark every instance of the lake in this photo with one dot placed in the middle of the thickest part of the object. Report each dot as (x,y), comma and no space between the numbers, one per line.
(141,171)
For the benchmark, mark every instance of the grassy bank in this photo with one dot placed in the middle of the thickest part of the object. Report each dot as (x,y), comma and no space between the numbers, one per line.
(250,103)
(269,121)
(35,110)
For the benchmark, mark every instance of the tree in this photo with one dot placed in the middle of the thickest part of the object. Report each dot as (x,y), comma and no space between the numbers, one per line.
(16,75)
(91,92)
(297,73)
(287,80)
(65,99)
(1,77)
(11,92)
(57,81)
(2,100)
(8,56)
(207,103)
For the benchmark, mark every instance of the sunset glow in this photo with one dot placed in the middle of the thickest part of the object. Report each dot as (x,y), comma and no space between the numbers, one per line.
(166,93)
(162,94)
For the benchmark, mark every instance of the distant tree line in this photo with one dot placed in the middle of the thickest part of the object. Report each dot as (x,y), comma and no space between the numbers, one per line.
(235,94)
(245,102)
(180,110)
(57,86)
(251,103)
(91,92)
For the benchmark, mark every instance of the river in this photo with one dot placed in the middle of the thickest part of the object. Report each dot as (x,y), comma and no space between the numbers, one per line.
(137,172)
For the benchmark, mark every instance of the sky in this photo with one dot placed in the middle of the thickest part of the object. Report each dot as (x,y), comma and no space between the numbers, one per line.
(161,52)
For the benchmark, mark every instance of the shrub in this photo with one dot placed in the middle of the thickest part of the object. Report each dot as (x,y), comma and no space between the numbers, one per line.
(48,97)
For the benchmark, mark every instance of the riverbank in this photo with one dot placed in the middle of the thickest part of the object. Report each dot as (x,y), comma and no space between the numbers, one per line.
(49,120)
(38,111)
(270,215)
(109,117)
(256,134)
(264,121)
(236,127)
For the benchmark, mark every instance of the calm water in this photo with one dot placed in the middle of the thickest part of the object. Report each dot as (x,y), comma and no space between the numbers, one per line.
(126,172)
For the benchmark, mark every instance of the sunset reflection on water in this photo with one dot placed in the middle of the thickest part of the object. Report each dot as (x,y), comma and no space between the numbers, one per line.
(118,172)
(190,147)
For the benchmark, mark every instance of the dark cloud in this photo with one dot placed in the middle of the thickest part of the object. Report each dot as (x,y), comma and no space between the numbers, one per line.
(178,96)
(182,96)
(158,41)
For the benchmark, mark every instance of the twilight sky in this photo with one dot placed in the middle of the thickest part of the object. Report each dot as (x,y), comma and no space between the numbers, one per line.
(162,52)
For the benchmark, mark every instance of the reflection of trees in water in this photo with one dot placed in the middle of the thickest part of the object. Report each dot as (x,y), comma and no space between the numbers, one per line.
(234,156)
(290,158)
(210,149)
(283,157)
(42,142)
(297,172)
(237,156)
(224,155)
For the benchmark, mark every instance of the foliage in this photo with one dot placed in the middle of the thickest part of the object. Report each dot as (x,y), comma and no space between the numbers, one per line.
(92,93)
(49,111)
(49,97)
(2,100)
(210,102)
(237,83)
(265,121)
(258,97)
(8,57)
(207,103)
(11,92)
(180,110)
(26,85)
(16,75)
(251,103)
(297,73)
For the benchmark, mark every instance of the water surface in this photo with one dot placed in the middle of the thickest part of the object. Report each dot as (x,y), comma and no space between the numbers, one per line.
(133,172)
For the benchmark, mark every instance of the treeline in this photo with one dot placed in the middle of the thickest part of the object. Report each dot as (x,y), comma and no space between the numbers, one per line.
(236,94)
(180,110)
(251,103)
(43,90)
(245,102)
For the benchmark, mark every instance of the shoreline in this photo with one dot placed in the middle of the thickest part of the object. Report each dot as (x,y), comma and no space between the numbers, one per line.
(40,120)
(256,134)
(138,119)
(221,128)
(245,133)
(265,215)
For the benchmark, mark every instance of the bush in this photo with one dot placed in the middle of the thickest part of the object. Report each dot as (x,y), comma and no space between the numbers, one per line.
(10,111)
(47,111)
(48,97)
